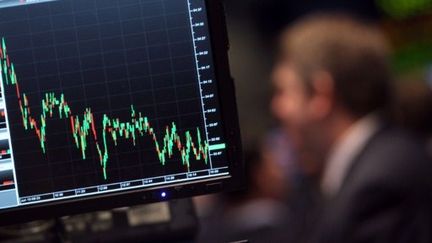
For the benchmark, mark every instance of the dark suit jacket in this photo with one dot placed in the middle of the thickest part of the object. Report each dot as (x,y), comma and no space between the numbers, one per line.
(386,195)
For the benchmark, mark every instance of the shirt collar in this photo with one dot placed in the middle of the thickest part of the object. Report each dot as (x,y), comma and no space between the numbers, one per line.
(345,151)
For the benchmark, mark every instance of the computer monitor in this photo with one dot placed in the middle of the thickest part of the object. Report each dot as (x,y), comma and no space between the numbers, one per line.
(109,103)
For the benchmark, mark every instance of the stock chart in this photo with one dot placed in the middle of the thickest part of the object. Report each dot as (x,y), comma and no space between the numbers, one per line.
(100,96)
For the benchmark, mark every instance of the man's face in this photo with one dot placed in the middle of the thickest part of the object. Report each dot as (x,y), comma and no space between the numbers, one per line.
(294,106)
(306,114)
(290,99)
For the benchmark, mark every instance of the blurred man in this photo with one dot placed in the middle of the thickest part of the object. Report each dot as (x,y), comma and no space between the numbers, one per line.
(333,86)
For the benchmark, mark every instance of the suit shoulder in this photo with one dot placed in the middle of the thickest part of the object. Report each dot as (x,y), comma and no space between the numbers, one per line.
(393,158)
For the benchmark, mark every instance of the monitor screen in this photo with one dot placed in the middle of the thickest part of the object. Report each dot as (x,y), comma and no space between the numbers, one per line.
(100,97)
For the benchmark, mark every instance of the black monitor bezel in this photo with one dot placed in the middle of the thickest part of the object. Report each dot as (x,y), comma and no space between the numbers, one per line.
(220,46)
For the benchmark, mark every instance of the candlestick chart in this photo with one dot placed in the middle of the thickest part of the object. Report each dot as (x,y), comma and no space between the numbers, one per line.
(85,131)
(102,97)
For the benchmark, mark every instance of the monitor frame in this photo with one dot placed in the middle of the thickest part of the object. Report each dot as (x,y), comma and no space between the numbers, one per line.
(228,109)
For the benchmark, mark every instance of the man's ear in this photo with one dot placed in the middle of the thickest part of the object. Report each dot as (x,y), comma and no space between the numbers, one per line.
(323,98)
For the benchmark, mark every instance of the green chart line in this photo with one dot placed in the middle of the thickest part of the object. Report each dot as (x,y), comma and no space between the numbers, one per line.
(84,128)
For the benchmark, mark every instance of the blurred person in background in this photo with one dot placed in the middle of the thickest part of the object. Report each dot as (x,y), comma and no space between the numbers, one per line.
(334,87)
(257,213)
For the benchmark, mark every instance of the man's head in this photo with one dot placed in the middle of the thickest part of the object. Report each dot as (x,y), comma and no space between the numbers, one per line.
(332,71)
